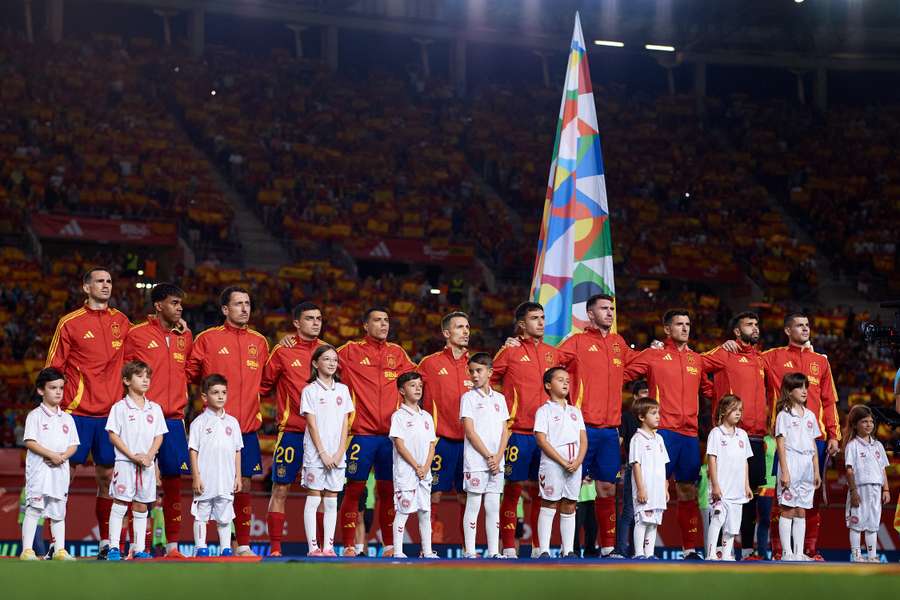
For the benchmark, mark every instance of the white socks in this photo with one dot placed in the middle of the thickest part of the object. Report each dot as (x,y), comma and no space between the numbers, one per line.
(799,533)
(200,534)
(224,531)
(728,546)
(492,523)
(329,522)
(58,530)
(545,527)
(29,527)
(116,516)
(566,532)
(470,523)
(854,540)
(425,531)
(309,521)
(716,521)
(139,527)
(785,525)
(399,526)
(650,541)
(871,544)
(640,532)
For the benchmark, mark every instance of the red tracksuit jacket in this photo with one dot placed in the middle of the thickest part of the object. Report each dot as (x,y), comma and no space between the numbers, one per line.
(87,347)
(239,355)
(370,369)
(744,375)
(166,352)
(286,373)
(446,379)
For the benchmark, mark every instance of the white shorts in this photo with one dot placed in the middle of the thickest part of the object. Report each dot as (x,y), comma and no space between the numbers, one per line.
(51,508)
(483,482)
(649,517)
(800,494)
(729,513)
(131,482)
(866,516)
(556,483)
(322,479)
(407,502)
(219,509)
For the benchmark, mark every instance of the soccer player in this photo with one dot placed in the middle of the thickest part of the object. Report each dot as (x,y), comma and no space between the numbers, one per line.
(87,347)
(164,344)
(50,438)
(560,434)
(238,353)
(674,374)
(446,378)
(484,415)
(740,369)
(597,370)
(412,434)
(650,490)
(326,404)
(215,447)
(371,367)
(286,373)
(520,369)
(136,426)
(798,356)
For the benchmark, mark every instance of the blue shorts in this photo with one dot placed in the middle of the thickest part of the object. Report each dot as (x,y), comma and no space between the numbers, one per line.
(447,466)
(288,457)
(367,451)
(173,457)
(251,458)
(523,458)
(684,456)
(94,442)
(603,459)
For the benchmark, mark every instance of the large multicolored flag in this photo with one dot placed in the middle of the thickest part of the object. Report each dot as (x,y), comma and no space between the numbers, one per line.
(574,255)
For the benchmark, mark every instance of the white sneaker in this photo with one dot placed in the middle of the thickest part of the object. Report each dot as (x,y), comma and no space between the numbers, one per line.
(470,556)
(431,555)
(728,558)
(535,552)
(873,558)
(398,555)
(510,553)
(498,557)
(787,557)
(856,556)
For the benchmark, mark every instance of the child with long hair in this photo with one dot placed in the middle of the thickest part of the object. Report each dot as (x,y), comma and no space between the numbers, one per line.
(865,460)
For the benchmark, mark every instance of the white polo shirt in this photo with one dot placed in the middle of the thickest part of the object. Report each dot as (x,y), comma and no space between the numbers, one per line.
(562,424)
(54,429)
(867,459)
(799,430)
(216,438)
(136,426)
(731,451)
(330,406)
(649,451)
(489,416)
(416,428)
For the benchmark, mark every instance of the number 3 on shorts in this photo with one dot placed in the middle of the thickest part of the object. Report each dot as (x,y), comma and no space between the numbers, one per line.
(437,462)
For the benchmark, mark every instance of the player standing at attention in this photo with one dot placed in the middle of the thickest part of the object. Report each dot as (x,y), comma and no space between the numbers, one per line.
(445,377)
(50,438)
(650,487)
(326,404)
(520,369)
(799,357)
(87,347)
(868,490)
(215,446)
(238,353)
(136,426)
(796,430)
(286,373)
(727,449)
(560,434)
(412,432)
(164,344)
(673,374)
(484,417)
(371,367)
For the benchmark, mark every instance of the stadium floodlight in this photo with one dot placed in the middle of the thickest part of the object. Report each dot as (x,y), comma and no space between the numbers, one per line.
(139,285)
(140,272)
(798,1)
(435,291)
(659,48)
(610,43)
(212,93)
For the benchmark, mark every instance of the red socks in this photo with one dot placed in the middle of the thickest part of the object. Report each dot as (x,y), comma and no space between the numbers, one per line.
(508,507)
(384,494)
(774,537)
(533,518)
(605,509)
(171,504)
(813,520)
(275,525)
(101,509)
(244,518)
(350,511)
(689,523)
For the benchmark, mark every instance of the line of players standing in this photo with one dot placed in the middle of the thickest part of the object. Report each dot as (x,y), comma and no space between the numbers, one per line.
(91,344)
